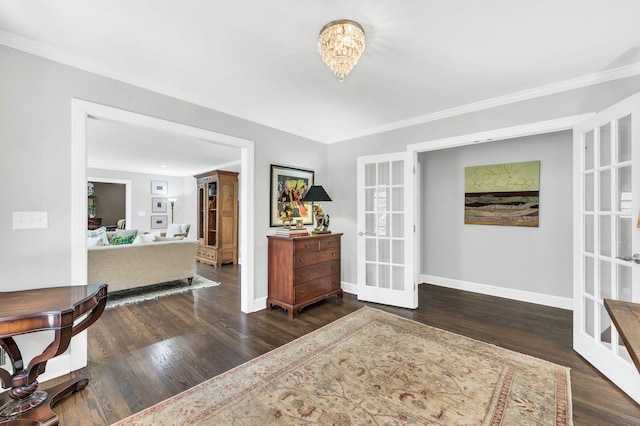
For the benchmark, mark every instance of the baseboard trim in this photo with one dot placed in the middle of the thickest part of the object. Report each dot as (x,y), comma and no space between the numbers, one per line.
(259,304)
(349,288)
(508,293)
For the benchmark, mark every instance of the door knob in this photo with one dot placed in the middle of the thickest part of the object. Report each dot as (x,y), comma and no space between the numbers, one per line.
(635,258)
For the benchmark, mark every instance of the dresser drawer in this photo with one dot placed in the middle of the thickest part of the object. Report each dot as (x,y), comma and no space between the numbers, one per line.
(306,245)
(207,254)
(315,288)
(304,259)
(330,243)
(319,270)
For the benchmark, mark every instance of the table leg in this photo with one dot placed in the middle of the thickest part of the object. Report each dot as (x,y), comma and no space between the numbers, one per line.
(42,414)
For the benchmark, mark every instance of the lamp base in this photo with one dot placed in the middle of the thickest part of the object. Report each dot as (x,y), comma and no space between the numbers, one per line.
(321,232)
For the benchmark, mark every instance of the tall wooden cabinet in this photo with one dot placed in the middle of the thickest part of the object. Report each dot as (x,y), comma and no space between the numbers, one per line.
(217,217)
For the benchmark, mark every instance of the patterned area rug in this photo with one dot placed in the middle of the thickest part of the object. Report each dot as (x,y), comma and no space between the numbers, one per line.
(150,292)
(372,367)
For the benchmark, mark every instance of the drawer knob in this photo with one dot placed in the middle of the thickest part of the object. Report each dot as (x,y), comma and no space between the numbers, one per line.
(333,253)
(307,245)
(333,267)
(301,259)
(301,274)
(301,291)
(330,243)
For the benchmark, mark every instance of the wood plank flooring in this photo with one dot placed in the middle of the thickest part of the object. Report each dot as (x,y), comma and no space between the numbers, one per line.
(141,354)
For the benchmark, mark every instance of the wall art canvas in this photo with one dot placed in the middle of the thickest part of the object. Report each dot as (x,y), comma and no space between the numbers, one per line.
(288,187)
(502,194)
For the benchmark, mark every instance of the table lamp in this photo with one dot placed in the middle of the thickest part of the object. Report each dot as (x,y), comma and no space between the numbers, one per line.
(314,194)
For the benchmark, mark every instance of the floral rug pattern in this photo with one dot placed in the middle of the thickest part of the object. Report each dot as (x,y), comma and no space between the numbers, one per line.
(372,367)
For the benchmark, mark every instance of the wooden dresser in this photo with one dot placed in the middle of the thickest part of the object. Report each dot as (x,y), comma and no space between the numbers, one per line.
(303,270)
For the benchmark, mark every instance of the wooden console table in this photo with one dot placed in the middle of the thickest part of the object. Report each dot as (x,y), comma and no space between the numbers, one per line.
(626,318)
(28,311)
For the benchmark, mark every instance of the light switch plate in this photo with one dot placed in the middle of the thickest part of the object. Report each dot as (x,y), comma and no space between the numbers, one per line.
(30,220)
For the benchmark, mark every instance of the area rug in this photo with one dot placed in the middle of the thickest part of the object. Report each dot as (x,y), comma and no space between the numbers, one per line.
(372,367)
(150,292)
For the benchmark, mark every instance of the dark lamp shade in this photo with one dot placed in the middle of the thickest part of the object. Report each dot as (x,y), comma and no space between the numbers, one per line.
(316,193)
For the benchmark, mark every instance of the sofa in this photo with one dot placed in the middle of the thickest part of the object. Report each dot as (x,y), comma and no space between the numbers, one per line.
(135,265)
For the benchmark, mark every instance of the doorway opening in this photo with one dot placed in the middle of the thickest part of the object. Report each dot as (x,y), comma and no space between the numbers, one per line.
(84,110)
(112,200)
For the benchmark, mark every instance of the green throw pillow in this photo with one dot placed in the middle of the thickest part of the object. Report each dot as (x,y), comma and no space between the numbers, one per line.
(117,240)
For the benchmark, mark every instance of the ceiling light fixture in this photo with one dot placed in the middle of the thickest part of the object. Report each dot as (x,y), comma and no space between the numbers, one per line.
(341,44)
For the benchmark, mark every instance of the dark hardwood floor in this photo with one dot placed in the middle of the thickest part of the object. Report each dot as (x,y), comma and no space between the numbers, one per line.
(141,354)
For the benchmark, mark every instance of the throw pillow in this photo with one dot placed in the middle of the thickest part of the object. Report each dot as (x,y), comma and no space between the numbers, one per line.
(144,239)
(148,238)
(173,229)
(100,232)
(94,241)
(126,232)
(118,241)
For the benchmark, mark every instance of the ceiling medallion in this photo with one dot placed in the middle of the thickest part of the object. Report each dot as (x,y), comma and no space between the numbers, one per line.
(341,44)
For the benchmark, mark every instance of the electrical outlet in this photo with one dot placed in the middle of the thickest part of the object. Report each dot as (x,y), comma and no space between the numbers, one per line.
(30,220)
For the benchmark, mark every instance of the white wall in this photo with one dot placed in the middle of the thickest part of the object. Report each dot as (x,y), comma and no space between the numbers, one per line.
(532,260)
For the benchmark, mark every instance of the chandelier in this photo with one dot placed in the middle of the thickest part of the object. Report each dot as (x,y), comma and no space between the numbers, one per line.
(341,44)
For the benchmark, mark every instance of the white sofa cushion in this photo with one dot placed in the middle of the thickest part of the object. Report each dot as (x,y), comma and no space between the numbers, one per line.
(144,238)
(173,229)
(94,241)
(100,232)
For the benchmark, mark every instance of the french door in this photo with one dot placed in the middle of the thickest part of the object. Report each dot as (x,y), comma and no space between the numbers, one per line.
(606,235)
(385,225)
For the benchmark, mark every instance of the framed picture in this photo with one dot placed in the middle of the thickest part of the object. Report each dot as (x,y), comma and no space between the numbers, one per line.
(288,187)
(159,187)
(158,205)
(159,222)
(502,194)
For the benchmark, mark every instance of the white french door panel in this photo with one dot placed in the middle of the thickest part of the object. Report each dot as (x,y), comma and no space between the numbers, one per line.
(385,221)
(606,205)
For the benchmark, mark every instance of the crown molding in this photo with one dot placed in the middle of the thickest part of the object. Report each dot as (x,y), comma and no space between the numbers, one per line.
(65,58)
(57,55)
(550,89)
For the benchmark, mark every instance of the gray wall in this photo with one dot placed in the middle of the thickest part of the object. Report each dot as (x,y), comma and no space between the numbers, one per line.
(342,177)
(35,130)
(538,259)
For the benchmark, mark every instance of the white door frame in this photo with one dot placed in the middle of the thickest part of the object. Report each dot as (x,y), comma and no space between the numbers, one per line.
(82,110)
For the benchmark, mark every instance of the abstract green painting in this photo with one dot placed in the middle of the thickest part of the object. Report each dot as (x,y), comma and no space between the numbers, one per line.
(502,194)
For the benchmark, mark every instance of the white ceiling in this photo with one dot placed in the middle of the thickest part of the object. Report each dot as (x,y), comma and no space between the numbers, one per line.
(257,59)
(117,146)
